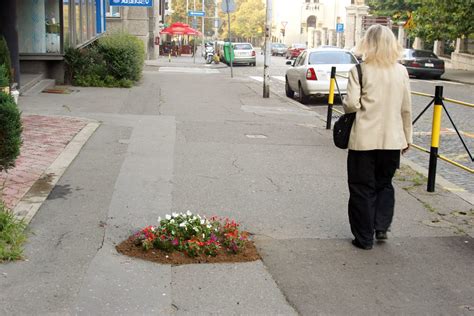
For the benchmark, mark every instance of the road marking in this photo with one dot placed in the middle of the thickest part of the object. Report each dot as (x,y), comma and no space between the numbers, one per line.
(191,70)
(260,79)
(276,110)
(255,136)
(437,82)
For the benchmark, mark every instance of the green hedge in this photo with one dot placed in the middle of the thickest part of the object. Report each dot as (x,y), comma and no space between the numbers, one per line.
(113,61)
(12,235)
(10,131)
(5,58)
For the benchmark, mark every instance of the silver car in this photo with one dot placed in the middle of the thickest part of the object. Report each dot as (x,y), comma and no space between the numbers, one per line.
(279,49)
(244,53)
(310,73)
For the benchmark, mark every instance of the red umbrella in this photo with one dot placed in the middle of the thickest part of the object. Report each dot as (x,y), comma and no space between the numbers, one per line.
(179,28)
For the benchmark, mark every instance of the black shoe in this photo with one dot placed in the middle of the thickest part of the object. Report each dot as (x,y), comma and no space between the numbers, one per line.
(381,235)
(357,244)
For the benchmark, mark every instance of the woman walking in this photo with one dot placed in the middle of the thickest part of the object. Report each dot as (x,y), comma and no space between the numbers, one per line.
(382,129)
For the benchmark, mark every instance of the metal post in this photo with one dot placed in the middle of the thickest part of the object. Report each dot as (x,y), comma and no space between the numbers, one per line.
(435,132)
(267,58)
(331,97)
(230,41)
(194,38)
(202,27)
(187,11)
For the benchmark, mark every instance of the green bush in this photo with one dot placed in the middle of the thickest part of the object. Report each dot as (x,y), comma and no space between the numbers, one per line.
(5,58)
(10,131)
(113,61)
(12,235)
(124,55)
(4,79)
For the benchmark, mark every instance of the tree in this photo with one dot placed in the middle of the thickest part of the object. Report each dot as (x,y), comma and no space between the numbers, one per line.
(247,22)
(444,19)
(398,10)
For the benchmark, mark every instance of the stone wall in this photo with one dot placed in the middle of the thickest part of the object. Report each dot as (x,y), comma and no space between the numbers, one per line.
(462,61)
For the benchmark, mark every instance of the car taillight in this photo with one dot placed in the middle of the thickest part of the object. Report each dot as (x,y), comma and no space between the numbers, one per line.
(310,74)
(414,64)
(253,53)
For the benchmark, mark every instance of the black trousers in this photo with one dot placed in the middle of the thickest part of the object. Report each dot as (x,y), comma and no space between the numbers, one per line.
(372,197)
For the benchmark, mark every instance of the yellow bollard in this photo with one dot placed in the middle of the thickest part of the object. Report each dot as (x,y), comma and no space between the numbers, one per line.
(435,136)
(332,85)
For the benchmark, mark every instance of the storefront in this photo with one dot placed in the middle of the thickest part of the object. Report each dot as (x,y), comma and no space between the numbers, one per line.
(47,27)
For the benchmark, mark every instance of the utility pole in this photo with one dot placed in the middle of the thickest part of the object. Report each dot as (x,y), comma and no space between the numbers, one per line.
(267,59)
(230,42)
(187,10)
(194,27)
(202,35)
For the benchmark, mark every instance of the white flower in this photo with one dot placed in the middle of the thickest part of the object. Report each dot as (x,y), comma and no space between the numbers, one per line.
(168,216)
(203,236)
(159,219)
(172,221)
(196,229)
(188,212)
(202,222)
(174,214)
(199,216)
(183,224)
(209,226)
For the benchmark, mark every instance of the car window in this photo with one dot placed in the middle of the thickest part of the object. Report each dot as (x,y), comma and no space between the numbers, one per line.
(302,58)
(333,58)
(242,46)
(422,53)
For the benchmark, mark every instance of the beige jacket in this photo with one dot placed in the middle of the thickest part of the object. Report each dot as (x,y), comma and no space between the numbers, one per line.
(383,120)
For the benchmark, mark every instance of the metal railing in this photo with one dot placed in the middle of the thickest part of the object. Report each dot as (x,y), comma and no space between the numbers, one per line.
(438,101)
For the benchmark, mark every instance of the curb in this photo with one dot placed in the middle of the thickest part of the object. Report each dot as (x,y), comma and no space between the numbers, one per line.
(31,202)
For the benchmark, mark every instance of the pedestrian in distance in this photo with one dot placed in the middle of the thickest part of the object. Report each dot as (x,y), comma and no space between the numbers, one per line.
(382,129)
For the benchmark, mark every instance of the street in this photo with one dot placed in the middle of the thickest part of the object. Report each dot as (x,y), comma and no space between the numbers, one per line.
(188,137)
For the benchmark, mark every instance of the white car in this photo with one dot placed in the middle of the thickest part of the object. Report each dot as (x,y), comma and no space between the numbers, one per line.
(311,72)
(244,53)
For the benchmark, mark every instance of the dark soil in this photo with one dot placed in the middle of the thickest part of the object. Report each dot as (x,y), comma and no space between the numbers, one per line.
(128,248)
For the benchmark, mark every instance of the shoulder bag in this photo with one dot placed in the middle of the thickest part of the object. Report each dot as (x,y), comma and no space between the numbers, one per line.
(342,128)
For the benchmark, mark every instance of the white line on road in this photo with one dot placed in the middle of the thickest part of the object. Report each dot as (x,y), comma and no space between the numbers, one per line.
(437,81)
(191,70)
(260,79)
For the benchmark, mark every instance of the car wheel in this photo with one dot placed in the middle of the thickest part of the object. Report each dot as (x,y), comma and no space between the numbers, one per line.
(289,93)
(303,98)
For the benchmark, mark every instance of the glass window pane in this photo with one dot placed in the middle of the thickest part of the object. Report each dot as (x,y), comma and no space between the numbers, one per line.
(39,28)
(66,24)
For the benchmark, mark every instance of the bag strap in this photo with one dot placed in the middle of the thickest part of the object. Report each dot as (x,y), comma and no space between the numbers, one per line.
(359,72)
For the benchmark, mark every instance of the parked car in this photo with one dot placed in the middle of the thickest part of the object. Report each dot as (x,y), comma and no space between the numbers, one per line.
(279,49)
(310,73)
(294,50)
(422,63)
(244,53)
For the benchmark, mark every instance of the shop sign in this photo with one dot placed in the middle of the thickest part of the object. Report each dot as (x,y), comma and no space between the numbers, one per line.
(132,3)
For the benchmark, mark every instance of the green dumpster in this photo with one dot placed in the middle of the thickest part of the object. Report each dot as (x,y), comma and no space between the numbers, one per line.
(228,52)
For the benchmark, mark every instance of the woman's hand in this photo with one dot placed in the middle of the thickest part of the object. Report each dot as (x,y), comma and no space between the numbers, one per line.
(404,150)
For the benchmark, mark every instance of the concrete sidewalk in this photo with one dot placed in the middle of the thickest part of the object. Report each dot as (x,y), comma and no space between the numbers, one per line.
(265,162)
(457,75)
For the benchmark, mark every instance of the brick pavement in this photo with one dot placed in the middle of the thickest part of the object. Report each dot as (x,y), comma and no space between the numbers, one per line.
(44,138)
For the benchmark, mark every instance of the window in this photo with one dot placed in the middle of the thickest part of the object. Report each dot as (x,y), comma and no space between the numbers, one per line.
(112,11)
(333,58)
(423,54)
(39,26)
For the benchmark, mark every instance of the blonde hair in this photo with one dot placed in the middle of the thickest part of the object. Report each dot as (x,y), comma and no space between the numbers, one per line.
(379,46)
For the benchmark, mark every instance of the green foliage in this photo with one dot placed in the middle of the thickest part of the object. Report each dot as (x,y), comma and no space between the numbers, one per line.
(436,20)
(247,22)
(10,131)
(433,19)
(12,235)
(396,9)
(4,79)
(124,55)
(114,61)
(5,58)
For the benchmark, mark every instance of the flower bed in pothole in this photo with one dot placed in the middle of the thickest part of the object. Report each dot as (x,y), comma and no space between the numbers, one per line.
(185,238)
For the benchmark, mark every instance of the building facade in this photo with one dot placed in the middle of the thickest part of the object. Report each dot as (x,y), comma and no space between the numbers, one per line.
(39,31)
(314,22)
(143,22)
